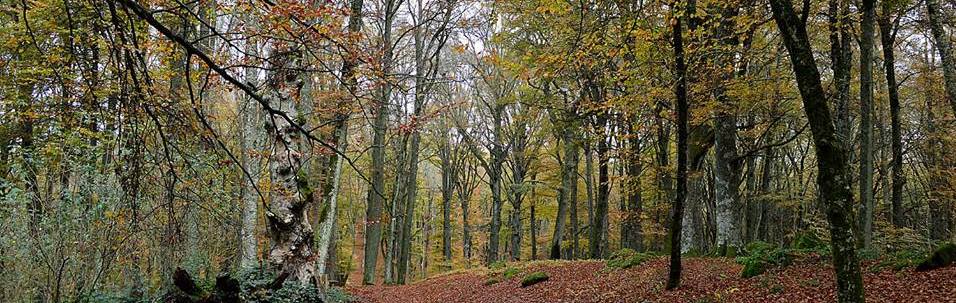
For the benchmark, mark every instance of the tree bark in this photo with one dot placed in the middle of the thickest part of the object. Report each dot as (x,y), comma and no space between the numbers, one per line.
(495,171)
(568,191)
(632,235)
(840,57)
(251,141)
(866,120)
(727,168)
(888,41)
(833,176)
(533,224)
(599,223)
(291,251)
(943,46)
(376,192)
(681,111)
(448,179)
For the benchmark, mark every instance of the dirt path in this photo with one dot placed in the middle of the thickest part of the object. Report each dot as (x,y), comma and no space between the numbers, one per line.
(705,280)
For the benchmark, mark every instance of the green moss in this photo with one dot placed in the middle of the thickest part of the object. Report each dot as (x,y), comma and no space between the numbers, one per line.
(944,256)
(626,258)
(534,278)
(302,182)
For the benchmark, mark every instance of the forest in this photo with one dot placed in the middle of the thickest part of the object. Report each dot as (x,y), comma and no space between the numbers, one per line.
(477,150)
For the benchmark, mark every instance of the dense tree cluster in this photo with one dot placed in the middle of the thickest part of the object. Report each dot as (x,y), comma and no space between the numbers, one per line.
(380,141)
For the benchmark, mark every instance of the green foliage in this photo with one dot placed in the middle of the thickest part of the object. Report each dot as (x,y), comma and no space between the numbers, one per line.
(254,286)
(901,259)
(492,280)
(626,258)
(534,278)
(511,272)
(811,242)
(944,255)
(760,256)
(338,295)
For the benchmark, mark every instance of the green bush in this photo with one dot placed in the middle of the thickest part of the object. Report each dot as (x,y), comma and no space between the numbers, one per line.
(511,272)
(534,278)
(901,259)
(492,280)
(944,255)
(760,256)
(254,286)
(338,295)
(497,265)
(810,241)
(626,258)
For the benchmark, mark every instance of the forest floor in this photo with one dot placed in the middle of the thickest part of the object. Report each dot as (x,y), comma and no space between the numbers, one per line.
(704,280)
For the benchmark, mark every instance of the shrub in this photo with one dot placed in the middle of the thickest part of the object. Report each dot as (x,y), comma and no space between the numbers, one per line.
(810,241)
(760,256)
(534,278)
(337,295)
(510,272)
(902,259)
(254,286)
(943,256)
(492,281)
(626,258)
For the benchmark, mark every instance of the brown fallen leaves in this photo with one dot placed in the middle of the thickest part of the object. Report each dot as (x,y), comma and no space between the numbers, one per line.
(704,280)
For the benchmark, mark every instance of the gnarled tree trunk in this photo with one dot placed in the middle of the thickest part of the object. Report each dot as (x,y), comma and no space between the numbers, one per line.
(291,250)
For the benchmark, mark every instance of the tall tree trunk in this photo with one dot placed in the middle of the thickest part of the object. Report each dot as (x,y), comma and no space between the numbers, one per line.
(727,168)
(464,195)
(393,240)
(589,191)
(833,176)
(574,250)
(326,246)
(840,57)
(251,142)
(632,235)
(291,251)
(681,111)
(866,120)
(569,183)
(888,40)
(411,159)
(448,181)
(518,172)
(935,16)
(533,222)
(376,193)
(941,219)
(599,224)
(495,171)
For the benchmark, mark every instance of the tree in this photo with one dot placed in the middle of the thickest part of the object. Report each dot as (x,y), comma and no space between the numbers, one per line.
(889,26)
(866,120)
(832,167)
(681,111)
(727,168)
(935,17)
(376,192)
(326,249)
